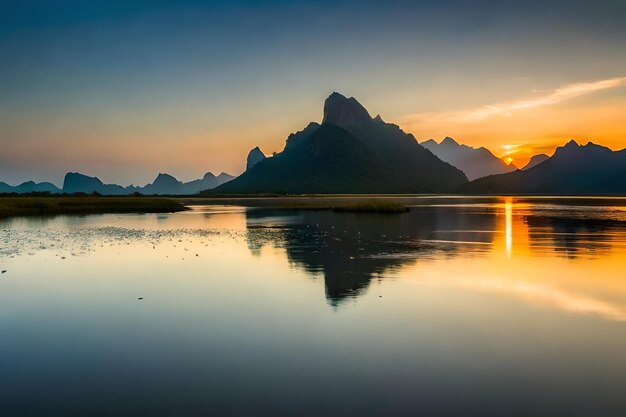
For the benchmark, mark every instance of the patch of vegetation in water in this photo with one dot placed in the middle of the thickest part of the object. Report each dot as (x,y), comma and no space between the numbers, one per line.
(45,206)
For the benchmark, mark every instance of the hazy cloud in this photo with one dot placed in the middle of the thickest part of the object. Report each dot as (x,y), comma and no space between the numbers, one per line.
(542,99)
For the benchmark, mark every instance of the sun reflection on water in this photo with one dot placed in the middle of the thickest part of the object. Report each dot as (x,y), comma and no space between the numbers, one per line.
(508,212)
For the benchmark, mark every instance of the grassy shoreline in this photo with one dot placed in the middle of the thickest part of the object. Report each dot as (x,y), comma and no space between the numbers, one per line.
(54,205)
(16,206)
(21,206)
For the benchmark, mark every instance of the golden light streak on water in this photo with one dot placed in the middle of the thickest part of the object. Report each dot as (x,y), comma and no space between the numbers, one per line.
(508,213)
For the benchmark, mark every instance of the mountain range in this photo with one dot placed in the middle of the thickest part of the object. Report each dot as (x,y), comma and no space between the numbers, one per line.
(29,187)
(572,170)
(351,152)
(348,152)
(474,162)
(164,184)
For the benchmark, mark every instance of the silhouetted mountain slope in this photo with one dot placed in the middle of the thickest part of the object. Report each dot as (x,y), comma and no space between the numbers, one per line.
(348,153)
(612,185)
(572,170)
(536,160)
(29,187)
(315,165)
(474,162)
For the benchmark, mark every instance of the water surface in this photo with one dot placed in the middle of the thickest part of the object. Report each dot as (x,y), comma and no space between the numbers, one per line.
(459,307)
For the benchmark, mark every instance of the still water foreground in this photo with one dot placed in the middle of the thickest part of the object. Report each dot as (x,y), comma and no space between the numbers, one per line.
(499,307)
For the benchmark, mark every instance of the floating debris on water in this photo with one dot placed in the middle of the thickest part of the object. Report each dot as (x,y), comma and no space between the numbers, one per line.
(81,240)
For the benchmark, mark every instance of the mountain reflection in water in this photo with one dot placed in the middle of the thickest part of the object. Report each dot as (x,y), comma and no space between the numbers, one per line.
(350,249)
(572,238)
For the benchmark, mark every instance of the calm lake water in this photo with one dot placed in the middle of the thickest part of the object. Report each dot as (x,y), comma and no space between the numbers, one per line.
(497,307)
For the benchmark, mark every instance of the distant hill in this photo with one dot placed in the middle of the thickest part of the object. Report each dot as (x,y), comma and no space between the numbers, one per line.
(167,184)
(572,170)
(224,177)
(536,160)
(75,182)
(474,162)
(29,187)
(349,152)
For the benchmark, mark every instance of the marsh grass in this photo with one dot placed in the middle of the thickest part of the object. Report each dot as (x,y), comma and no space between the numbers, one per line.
(43,206)
(339,203)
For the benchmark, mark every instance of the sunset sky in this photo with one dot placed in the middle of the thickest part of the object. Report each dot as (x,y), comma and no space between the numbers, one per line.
(126,89)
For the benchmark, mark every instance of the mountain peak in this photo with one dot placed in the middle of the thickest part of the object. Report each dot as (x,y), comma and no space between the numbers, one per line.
(474,162)
(163,179)
(571,146)
(163,176)
(345,112)
(75,181)
(224,177)
(448,141)
(254,157)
